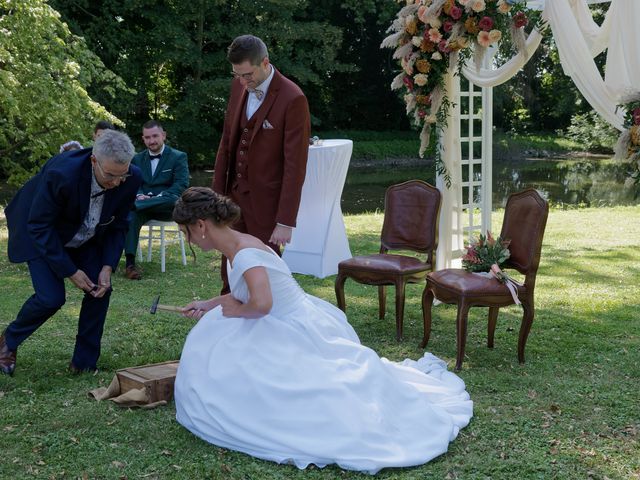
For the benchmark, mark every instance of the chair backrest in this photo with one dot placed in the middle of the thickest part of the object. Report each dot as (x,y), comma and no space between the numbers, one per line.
(525,218)
(411,211)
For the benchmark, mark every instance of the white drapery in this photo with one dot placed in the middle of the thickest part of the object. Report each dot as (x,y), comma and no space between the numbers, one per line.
(451,243)
(579,39)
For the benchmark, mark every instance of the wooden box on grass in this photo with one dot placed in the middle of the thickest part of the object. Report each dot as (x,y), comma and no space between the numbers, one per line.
(157,379)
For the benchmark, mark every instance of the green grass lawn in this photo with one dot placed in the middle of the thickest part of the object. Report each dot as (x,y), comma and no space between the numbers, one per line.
(572,411)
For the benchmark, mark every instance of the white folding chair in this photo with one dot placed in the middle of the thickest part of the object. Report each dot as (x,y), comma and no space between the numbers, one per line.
(164,228)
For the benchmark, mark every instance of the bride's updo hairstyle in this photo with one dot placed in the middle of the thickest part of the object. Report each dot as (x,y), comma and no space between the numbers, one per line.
(202,203)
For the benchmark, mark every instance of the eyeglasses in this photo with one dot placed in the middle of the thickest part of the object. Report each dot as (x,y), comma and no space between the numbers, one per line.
(111,177)
(244,76)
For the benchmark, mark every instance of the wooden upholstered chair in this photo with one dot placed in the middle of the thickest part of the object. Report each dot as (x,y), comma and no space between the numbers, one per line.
(410,224)
(525,218)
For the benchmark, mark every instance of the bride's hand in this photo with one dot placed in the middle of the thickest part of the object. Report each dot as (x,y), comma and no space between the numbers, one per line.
(231,307)
(196,309)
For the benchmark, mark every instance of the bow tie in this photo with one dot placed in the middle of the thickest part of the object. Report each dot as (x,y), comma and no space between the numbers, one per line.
(153,157)
(258,93)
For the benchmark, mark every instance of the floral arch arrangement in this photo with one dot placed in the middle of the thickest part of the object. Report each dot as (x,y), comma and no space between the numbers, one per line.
(430,36)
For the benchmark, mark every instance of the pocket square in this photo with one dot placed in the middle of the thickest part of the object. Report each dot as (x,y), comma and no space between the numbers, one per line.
(267,125)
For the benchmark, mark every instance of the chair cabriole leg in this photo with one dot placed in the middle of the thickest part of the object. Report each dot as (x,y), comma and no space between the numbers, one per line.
(491,327)
(339,288)
(382,301)
(525,326)
(400,288)
(461,332)
(427,303)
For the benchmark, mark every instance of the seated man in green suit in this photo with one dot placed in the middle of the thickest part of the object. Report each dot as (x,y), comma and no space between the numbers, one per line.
(165,175)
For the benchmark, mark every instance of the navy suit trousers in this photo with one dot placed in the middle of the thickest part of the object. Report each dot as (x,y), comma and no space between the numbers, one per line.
(50,296)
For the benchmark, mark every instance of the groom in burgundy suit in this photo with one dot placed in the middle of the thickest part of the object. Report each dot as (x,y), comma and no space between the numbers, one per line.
(262,157)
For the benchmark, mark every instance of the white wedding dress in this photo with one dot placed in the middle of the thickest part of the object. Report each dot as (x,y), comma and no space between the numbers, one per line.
(296,386)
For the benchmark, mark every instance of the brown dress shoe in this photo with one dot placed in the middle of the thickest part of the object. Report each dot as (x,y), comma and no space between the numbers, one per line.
(133,273)
(7,357)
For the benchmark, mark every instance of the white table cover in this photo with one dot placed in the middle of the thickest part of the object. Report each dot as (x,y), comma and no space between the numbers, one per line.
(319,241)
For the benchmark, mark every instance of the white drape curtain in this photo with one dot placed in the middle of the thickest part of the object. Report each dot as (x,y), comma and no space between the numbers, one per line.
(579,39)
(450,234)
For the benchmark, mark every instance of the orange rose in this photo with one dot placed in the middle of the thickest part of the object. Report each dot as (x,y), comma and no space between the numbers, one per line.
(471,26)
(423,66)
(427,46)
(634,131)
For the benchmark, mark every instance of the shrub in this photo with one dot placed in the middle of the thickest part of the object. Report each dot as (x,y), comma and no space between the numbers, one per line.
(592,132)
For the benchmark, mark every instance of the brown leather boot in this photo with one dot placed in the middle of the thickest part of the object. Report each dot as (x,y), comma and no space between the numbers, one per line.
(133,273)
(7,357)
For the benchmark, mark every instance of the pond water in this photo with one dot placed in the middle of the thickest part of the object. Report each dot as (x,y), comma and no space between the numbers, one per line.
(579,182)
(590,182)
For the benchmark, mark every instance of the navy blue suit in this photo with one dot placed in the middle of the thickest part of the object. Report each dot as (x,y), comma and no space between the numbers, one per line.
(42,218)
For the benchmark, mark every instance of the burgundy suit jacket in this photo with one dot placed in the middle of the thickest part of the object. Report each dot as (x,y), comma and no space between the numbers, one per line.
(277,152)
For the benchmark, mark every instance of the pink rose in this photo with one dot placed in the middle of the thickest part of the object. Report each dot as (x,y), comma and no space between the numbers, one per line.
(486,23)
(455,12)
(408,83)
(636,116)
(520,20)
(448,26)
(483,39)
(443,47)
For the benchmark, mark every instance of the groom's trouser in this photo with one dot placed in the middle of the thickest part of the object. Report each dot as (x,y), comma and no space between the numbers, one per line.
(49,297)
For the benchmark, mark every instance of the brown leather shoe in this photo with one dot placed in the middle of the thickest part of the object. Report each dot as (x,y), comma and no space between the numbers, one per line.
(133,273)
(7,357)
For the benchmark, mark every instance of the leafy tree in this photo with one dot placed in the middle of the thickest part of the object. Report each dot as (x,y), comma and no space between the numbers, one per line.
(44,75)
(359,96)
(174,55)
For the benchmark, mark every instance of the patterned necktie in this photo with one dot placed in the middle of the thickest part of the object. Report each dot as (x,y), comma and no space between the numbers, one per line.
(258,93)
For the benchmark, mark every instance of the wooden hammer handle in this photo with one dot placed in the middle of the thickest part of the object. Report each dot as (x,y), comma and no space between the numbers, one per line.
(169,308)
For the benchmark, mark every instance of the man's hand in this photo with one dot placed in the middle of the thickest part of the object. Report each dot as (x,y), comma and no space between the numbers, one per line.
(281,235)
(80,280)
(104,282)
(142,197)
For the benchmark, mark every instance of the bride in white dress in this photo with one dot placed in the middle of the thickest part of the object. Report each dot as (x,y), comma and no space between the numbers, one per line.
(281,375)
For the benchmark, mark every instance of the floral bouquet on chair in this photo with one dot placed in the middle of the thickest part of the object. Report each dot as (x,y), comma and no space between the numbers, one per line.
(487,255)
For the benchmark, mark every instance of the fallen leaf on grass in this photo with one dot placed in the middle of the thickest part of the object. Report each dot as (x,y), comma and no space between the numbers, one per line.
(555,408)
(117,464)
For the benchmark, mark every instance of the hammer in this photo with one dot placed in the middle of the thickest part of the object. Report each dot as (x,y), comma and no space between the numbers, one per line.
(155,306)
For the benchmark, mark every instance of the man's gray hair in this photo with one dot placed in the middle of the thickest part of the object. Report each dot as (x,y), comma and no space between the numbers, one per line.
(114,146)
(247,48)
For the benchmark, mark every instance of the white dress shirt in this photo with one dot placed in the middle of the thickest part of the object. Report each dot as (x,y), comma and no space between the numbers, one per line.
(253,103)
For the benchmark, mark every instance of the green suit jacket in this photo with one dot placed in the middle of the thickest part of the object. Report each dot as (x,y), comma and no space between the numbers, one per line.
(170,179)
